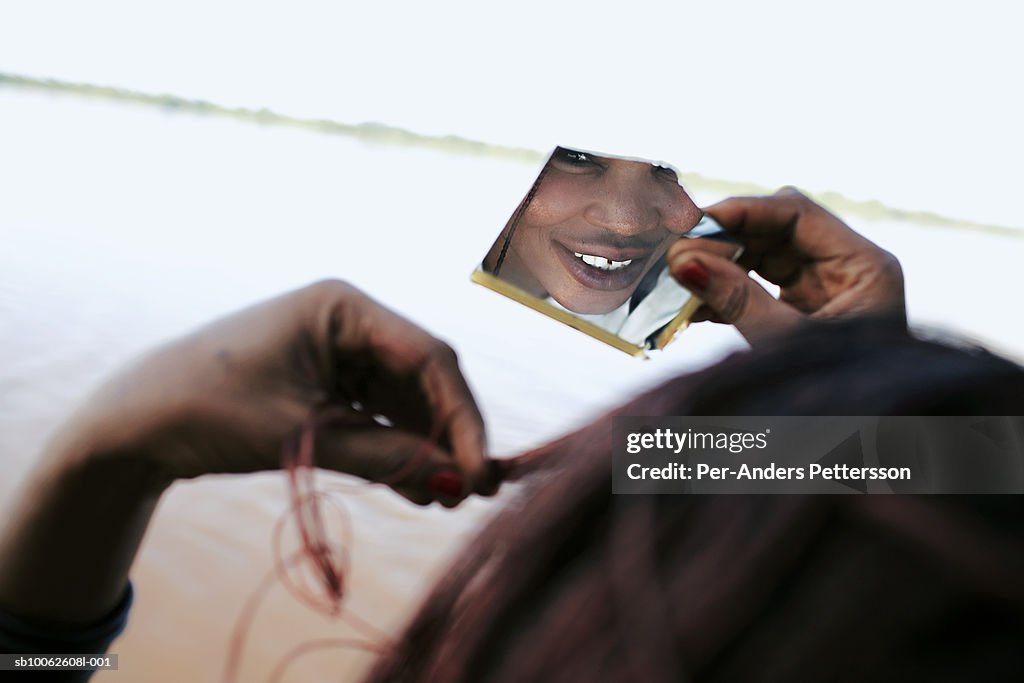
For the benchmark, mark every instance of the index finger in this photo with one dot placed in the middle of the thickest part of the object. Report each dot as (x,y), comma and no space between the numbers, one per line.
(786,218)
(403,349)
(458,417)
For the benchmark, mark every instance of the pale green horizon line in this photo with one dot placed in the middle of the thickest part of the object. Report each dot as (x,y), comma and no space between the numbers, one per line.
(454,144)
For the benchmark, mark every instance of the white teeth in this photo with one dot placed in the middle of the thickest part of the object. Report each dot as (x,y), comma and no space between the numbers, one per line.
(601,262)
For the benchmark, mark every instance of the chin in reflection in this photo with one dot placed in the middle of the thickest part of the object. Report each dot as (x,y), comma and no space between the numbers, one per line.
(592,233)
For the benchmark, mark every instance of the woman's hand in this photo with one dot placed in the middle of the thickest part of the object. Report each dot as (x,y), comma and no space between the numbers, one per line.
(823,267)
(225,398)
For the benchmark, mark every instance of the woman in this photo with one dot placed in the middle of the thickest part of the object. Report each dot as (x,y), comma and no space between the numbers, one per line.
(575,584)
(226,398)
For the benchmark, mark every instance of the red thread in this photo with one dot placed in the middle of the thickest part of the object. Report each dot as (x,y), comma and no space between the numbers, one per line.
(513,469)
(315,574)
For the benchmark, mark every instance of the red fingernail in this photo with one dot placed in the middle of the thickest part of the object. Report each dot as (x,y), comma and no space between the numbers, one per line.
(445,483)
(694,275)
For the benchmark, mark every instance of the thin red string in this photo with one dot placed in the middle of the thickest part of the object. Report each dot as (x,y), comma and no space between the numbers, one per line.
(322,644)
(315,574)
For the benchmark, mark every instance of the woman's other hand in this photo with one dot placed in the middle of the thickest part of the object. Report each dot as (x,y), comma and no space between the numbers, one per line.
(823,268)
(225,398)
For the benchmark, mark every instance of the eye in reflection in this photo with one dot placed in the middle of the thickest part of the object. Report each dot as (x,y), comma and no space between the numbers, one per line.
(666,172)
(572,157)
(589,239)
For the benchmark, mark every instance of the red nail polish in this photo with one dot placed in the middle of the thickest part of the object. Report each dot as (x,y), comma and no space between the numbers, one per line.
(445,483)
(694,275)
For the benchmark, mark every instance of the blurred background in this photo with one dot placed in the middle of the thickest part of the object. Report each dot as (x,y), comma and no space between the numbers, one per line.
(164,163)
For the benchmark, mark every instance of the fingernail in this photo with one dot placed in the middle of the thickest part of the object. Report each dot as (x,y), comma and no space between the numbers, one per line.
(694,275)
(445,483)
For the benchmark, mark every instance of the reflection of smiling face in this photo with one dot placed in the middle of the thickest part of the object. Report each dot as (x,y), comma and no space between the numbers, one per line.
(594,228)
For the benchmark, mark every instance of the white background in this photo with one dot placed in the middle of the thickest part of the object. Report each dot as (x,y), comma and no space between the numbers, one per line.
(122,225)
(914,103)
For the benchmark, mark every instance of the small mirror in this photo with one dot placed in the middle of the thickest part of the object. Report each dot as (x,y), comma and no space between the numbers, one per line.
(586,246)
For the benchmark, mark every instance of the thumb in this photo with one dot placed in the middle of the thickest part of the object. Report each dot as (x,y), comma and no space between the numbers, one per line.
(734,297)
(412,465)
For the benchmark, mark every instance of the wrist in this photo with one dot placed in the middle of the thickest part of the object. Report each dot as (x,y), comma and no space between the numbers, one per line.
(132,425)
(109,450)
(85,505)
(129,472)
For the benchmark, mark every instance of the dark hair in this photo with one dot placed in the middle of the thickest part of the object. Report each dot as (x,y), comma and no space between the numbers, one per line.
(571,583)
(517,215)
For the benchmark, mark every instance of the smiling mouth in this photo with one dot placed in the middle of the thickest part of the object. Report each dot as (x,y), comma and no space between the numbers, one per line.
(600,262)
(602,272)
